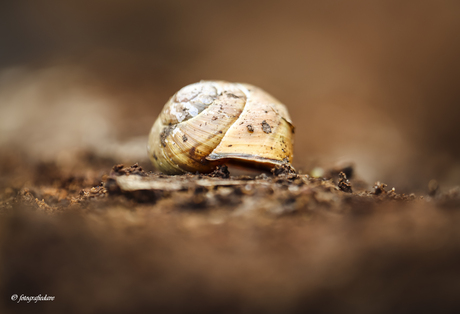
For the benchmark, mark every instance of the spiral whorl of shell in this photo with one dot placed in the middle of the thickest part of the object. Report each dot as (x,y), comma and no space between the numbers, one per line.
(214,122)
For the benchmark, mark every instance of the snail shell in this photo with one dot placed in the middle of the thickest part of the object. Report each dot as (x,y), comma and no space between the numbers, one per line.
(214,122)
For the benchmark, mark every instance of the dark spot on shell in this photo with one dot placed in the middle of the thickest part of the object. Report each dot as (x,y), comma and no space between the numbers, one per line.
(155,156)
(266,127)
(192,151)
(184,138)
(230,145)
(232,95)
(214,118)
(220,132)
(250,128)
(165,133)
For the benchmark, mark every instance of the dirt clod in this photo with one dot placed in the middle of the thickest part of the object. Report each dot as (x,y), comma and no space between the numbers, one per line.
(220,172)
(283,169)
(379,188)
(344,185)
(120,169)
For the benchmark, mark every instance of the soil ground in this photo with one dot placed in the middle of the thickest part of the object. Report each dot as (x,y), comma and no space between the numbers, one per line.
(118,239)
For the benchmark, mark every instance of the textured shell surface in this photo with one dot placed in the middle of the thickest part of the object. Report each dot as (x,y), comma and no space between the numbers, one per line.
(214,122)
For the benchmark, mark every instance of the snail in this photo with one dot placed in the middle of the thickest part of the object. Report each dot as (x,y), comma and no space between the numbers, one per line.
(210,123)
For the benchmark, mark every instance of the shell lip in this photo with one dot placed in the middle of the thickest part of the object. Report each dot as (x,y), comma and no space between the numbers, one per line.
(245,157)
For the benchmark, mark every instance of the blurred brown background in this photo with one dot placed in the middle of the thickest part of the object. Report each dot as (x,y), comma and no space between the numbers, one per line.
(369,82)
